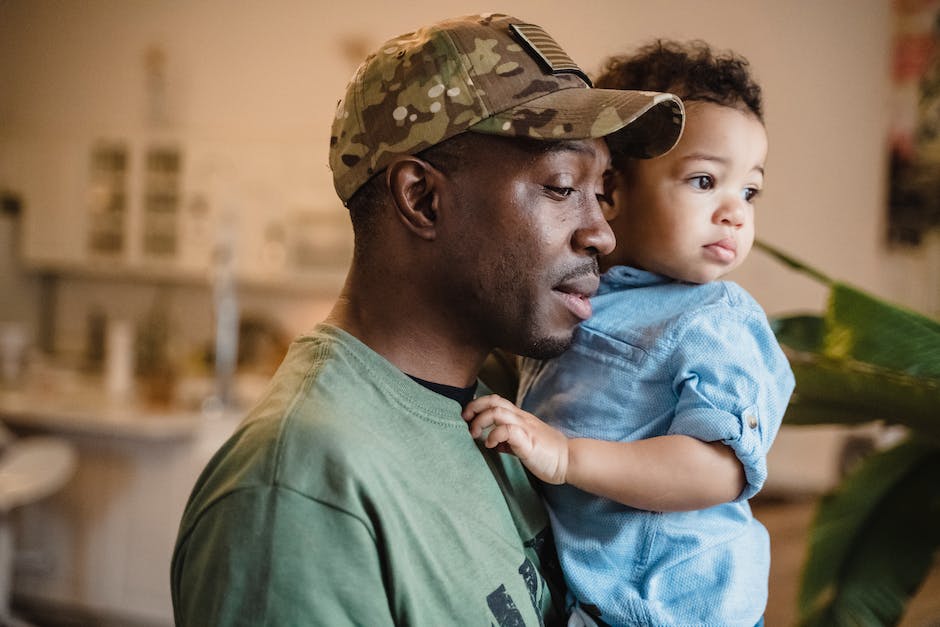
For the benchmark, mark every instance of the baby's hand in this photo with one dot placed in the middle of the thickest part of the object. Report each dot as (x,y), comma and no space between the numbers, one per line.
(543,449)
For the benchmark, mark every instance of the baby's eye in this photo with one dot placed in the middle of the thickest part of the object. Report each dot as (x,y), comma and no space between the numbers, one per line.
(604,199)
(750,193)
(702,182)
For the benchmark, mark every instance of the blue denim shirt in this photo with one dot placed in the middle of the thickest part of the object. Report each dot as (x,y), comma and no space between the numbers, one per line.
(663,357)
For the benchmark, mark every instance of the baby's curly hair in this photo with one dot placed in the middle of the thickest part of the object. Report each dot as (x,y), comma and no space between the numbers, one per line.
(690,70)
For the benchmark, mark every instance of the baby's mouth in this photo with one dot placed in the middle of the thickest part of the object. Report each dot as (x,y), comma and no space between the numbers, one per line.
(724,250)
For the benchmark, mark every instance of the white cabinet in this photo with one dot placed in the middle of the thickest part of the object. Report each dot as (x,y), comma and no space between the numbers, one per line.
(164,208)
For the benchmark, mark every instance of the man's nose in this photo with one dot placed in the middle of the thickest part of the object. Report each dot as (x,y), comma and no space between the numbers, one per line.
(595,234)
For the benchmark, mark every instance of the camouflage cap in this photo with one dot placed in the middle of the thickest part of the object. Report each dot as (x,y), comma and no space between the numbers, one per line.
(488,74)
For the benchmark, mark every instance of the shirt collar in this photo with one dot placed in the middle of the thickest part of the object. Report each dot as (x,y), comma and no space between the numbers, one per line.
(625,276)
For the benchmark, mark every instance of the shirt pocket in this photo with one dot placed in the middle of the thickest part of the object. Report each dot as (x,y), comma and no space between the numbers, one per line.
(608,350)
(594,390)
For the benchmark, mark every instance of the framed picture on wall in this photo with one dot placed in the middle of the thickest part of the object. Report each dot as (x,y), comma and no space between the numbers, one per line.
(914,184)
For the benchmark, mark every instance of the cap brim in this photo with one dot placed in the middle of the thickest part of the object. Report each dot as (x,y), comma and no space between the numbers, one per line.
(639,124)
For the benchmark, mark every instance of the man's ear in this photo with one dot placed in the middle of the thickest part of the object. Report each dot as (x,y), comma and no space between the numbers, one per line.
(415,188)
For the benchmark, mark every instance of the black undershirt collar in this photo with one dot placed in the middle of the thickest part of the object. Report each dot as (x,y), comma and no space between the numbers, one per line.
(461,395)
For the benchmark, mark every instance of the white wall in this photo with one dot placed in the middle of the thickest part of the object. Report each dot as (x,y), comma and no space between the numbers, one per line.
(271,72)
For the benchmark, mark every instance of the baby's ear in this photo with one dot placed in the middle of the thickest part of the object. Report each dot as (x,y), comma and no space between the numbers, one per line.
(609,208)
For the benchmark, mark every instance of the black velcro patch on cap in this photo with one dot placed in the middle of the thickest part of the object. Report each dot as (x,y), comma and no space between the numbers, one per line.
(541,46)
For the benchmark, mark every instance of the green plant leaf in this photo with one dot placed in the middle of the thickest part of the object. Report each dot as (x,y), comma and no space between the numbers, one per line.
(873,540)
(791,261)
(802,333)
(865,360)
(847,391)
(864,328)
(843,391)
(876,536)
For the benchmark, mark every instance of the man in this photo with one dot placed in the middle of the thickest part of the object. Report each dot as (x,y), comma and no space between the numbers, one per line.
(469,156)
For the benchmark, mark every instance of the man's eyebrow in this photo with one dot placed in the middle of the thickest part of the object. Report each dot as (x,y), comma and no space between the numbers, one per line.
(577,146)
(571,145)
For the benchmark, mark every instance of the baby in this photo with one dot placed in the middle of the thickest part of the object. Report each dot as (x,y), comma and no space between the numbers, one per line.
(658,419)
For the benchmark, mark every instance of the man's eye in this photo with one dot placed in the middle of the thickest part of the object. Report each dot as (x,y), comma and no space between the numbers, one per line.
(702,181)
(561,192)
(750,193)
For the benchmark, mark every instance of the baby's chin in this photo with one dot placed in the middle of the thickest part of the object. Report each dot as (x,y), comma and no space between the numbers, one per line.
(694,270)
(702,275)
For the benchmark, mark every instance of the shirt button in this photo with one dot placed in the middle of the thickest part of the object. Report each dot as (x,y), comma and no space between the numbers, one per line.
(751,420)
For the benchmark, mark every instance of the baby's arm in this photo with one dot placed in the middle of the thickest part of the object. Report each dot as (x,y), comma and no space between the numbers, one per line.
(665,473)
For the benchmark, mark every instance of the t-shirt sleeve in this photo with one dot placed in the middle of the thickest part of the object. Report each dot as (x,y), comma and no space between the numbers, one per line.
(270,556)
(733,383)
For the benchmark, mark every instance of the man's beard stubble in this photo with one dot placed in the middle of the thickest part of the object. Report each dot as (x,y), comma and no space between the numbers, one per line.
(547,348)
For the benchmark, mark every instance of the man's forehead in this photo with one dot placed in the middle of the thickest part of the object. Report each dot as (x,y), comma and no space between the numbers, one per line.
(592,148)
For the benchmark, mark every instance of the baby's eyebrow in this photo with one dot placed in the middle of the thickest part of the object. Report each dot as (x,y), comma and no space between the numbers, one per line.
(704,156)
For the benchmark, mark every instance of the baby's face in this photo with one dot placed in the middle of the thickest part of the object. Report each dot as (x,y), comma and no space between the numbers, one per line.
(689,214)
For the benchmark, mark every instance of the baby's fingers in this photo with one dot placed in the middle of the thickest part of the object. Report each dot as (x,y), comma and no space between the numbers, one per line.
(480,422)
(497,435)
(484,403)
(487,411)
(509,438)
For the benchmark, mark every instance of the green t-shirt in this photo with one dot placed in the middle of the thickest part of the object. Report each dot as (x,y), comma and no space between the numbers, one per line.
(351,495)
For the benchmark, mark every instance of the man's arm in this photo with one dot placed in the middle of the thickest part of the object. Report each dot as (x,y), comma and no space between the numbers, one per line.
(269,556)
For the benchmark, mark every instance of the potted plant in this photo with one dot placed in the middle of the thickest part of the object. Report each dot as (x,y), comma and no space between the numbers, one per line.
(875,537)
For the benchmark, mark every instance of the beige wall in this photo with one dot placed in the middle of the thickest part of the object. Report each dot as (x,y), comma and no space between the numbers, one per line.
(266,74)
(253,71)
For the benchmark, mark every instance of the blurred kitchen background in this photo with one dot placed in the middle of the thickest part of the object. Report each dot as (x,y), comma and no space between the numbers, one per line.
(168,224)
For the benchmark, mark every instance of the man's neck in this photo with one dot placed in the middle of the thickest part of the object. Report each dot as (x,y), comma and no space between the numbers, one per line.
(409,339)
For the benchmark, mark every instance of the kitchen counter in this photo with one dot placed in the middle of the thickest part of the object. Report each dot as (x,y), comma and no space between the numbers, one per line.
(78,404)
(101,546)
(95,414)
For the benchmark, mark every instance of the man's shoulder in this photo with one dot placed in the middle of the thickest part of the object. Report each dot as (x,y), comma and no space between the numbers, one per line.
(300,426)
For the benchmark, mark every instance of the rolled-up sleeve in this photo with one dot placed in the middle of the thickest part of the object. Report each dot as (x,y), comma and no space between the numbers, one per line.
(732,383)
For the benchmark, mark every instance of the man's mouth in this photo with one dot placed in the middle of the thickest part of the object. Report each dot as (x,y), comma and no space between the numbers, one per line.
(576,294)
